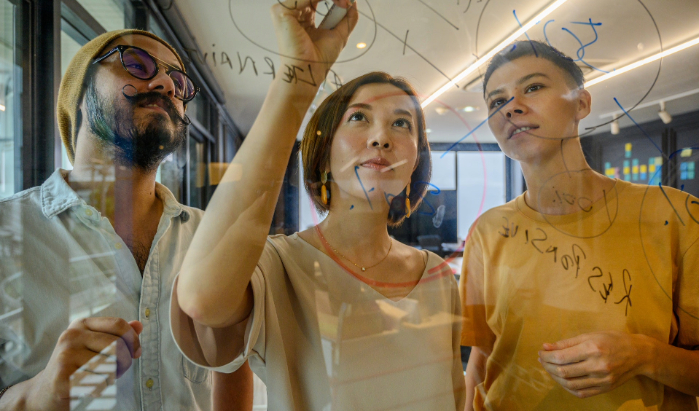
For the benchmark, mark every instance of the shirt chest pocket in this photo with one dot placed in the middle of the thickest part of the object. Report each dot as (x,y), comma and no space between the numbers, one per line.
(195,373)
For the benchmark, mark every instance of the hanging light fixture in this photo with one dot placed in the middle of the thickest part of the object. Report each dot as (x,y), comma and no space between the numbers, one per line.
(615,124)
(664,115)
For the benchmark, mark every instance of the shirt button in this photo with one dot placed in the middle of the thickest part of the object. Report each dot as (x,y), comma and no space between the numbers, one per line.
(117,246)
(147,312)
(149,383)
(88,212)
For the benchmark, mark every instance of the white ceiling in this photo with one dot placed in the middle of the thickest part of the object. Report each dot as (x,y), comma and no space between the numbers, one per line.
(444,35)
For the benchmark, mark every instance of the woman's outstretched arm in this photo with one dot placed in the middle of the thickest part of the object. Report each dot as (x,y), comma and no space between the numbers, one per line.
(213,287)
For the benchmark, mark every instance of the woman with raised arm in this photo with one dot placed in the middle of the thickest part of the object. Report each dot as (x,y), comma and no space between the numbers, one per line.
(340,316)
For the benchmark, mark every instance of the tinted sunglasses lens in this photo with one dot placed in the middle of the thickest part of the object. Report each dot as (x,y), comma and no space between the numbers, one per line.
(184,87)
(139,63)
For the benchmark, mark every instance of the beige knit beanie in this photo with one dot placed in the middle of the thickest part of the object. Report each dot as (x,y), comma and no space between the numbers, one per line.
(72,86)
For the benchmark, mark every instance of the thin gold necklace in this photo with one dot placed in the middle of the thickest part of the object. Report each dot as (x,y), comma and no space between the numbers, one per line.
(340,254)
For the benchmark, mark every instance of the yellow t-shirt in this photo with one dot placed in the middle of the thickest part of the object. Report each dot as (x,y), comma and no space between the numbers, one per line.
(628,262)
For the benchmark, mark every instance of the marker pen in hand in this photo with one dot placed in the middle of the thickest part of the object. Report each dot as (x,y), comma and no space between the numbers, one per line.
(335,14)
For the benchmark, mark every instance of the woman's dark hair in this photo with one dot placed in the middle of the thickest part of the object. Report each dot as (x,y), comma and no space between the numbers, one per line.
(320,131)
(526,48)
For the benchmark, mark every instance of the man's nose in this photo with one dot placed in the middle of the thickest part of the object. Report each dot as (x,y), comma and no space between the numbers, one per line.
(163,83)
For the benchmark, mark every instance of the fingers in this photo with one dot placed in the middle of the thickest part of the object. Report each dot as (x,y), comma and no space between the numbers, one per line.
(345,4)
(348,23)
(570,342)
(575,370)
(78,345)
(116,327)
(123,358)
(296,6)
(137,326)
(582,387)
(574,354)
(98,344)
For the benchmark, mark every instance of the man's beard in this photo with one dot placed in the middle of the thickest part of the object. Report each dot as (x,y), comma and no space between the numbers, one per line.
(142,147)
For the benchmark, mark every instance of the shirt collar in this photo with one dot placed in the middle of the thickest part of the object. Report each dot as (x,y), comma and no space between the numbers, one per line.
(57,196)
(171,206)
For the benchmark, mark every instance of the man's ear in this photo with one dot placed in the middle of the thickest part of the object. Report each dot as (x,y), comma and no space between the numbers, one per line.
(584,104)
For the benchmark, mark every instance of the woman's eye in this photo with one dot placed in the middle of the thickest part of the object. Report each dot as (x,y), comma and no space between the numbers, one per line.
(534,87)
(401,122)
(357,116)
(496,103)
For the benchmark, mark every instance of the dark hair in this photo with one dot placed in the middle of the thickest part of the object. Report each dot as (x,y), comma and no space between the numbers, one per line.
(88,81)
(320,131)
(526,48)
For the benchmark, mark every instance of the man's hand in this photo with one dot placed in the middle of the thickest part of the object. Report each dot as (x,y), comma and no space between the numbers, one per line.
(595,363)
(50,389)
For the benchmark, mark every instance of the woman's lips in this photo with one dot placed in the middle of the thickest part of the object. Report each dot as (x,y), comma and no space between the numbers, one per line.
(376,164)
(523,130)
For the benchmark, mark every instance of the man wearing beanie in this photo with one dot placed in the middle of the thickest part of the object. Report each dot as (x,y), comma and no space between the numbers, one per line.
(96,249)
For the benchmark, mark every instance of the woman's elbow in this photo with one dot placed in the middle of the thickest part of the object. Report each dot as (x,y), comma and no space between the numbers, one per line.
(215,308)
(195,304)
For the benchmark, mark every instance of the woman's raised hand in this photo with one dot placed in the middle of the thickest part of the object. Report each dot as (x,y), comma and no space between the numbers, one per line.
(302,44)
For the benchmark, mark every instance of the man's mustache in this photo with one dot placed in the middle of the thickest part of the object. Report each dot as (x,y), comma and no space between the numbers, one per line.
(153,97)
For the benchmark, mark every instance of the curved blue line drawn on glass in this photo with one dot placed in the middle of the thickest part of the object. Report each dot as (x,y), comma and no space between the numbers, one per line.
(639,126)
(581,51)
(477,127)
(389,197)
(514,12)
(424,199)
(356,173)
(545,36)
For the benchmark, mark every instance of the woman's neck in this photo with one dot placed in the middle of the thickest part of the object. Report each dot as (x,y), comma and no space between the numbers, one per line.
(563,183)
(359,235)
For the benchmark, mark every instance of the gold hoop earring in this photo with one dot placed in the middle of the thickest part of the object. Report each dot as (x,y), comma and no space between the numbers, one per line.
(408,211)
(324,193)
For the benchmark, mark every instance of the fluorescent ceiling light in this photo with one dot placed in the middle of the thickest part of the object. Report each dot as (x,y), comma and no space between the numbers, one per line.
(441,110)
(640,63)
(473,67)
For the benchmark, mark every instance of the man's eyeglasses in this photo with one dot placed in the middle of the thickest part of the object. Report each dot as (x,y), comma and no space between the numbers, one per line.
(142,65)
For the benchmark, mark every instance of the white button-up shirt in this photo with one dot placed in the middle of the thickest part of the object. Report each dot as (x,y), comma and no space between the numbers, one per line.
(61,260)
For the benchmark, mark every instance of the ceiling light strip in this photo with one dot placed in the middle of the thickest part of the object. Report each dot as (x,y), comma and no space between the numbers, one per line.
(654,102)
(645,61)
(473,67)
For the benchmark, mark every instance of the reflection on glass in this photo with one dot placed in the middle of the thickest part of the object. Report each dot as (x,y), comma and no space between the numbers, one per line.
(575,255)
(198,180)
(481,179)
(10,114)
(109,13)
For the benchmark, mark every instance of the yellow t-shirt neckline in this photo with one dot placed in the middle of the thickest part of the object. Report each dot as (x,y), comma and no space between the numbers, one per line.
(581,224)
